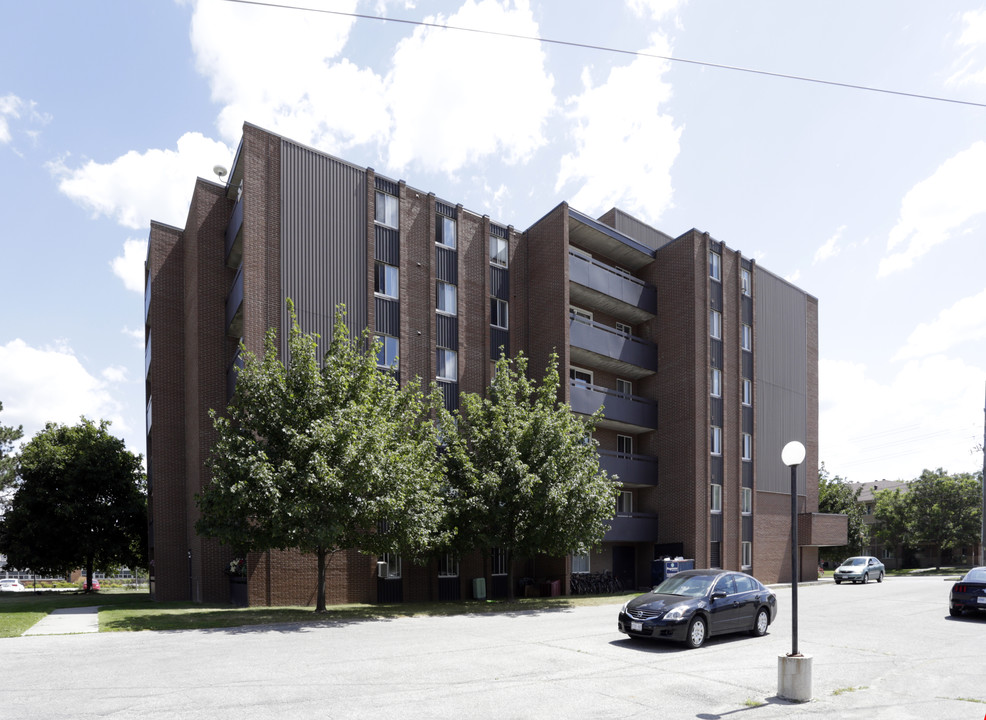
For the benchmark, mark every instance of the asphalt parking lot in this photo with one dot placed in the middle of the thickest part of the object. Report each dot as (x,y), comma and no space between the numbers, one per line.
(885,650)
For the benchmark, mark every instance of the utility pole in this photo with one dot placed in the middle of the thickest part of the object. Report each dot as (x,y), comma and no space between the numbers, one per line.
(982,530)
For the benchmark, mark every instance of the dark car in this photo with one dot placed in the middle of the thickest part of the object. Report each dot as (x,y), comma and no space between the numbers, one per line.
(969,593)
(862,568)
(695,604)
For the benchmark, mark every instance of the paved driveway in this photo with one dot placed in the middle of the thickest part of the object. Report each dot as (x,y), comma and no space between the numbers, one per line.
(880,651)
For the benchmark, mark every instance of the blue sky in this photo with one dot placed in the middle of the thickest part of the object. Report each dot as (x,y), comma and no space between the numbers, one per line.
(874,203)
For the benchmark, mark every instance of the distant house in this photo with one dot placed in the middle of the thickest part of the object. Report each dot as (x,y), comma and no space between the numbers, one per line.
(867,498)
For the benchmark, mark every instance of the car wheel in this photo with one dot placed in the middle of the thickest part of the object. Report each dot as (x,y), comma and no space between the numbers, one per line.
(955,612)
(761,623)
(838,581)
(866,578)
(696,633)
(879,578)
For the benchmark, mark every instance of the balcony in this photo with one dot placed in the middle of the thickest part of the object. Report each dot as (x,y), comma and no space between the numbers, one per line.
(231,374)
(234,238)
(632,470)
(596,285)
(234,307)
(596,345)
(147,358)
(621,412)
(632,527)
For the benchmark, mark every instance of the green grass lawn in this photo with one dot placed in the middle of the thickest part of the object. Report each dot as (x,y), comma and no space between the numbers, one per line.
(134,611)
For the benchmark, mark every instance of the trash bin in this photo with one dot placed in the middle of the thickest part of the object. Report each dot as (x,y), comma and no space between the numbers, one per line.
(661,570)
(479,588)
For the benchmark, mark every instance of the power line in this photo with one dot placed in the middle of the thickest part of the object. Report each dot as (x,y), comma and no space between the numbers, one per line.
(620,51)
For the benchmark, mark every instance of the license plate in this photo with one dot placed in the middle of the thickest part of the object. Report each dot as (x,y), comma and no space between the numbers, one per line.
(637,627)
(981,600)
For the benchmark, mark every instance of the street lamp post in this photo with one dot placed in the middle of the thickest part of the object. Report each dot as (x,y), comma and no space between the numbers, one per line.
(794,669)
(793,455)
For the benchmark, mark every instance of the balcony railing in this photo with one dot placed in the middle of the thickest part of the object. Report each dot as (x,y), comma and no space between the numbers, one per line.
(612,347)
(632,527)
(231,374)
(620,410)
(234,301)
(630,468)
(635,298)
(234,251)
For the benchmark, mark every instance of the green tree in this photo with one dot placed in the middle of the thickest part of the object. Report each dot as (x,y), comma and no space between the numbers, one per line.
(323,458)
(837,496)
(894,520)
(81,501)
(946,509)
(8,461)
(523,471)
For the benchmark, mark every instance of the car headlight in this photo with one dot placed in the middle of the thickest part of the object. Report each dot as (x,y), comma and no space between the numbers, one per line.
(623,610)
(675,613)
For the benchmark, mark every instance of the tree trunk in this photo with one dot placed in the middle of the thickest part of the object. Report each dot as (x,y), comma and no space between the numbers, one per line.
(89,565)
(320,593)
(508,558)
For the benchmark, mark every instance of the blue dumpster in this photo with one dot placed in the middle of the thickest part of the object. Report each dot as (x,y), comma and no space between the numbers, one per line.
(662,569)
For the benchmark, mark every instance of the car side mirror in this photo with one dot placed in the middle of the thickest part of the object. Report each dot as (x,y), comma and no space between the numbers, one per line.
(718,595)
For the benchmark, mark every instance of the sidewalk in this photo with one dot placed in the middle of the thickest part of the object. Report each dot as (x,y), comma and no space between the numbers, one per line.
(67,621)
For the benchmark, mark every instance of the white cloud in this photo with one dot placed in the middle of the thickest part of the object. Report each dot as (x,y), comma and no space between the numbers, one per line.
(934,208)
(625,146)
(964,322)
(445,113)
(9,108)
(49,384)
(139,187)
(129,267)
(136,335)
(972,42)
(280,74)
(894,426)
(830,248)
(654,9)
(15,108)
(115,374)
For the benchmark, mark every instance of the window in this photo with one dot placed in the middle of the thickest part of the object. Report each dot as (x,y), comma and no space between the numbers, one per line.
(715,266)
(623,329)
(624,502)
(747,446)
(580,563)
(498,561)
(624,387)
(716,390)
(746,282)
(746,500)
(746,337)
(747,554)
(445,231)
(716,498)
(499,250)
(385,210)
(716,440)
(388,352)
(624,444)
(389,566)
(580,314)
(580,376)
(385,280)
(715,324)
(446,298)
(498,313)
(448,566)
(747,392)
(447,364)
(715,554)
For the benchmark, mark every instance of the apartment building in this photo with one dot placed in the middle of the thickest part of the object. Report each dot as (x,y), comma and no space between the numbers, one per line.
(705,364)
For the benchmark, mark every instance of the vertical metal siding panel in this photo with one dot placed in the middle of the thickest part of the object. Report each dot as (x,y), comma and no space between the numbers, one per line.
(323,239)
(781,376)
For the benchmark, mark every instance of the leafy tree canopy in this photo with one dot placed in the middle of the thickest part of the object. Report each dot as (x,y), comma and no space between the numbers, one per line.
(8,462)
(80,502)
(837,496)
(523,470)
(323,457)
(947,509)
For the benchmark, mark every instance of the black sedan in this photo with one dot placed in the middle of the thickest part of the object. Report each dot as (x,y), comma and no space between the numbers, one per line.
(969,593)
(695,604)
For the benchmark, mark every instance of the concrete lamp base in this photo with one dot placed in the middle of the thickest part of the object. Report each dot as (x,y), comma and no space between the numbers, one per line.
(794,677)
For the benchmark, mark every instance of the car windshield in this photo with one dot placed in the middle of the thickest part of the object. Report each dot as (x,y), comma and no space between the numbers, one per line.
(689,585)
(855,561)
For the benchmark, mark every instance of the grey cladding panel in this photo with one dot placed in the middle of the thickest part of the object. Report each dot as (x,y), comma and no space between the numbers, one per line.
(323,239)
(781,376)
